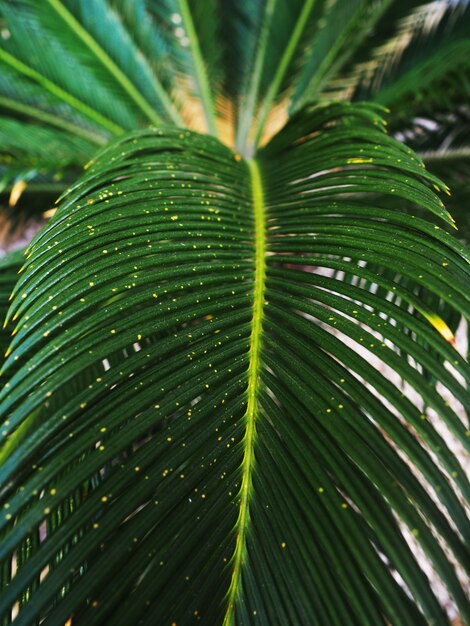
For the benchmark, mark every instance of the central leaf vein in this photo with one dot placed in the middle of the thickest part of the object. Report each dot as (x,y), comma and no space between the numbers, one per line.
(249,440)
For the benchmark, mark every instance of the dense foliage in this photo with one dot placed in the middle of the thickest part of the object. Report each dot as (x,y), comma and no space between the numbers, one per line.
(230,352)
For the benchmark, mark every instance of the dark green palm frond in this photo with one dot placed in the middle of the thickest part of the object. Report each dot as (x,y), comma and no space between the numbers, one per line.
(94,66)
(189,436)
(28,101)
(240,29)
(183,27)
(207,20)
(102,84)
(10,265)
(177,60)
(345,81)
(120,56)
(443,142)
(151,40)
(263,44)
(29,149)
(425,64)
(116,82)
(69,80)
(344,26)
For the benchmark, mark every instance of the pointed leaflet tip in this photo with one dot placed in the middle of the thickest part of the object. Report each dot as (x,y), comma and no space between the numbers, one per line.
(441,328)
(452,221)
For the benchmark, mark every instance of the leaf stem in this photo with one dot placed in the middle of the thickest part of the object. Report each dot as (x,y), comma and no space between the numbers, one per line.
(201,71)
(345,43)
(245,119)
(282,68)
(248,462)
(449,154)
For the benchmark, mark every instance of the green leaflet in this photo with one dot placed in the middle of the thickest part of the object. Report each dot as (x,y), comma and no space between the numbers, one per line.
(200,442)
(34,149)
(10,265)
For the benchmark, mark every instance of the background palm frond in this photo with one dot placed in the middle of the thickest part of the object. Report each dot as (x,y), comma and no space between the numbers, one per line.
(422,66)
(30,149)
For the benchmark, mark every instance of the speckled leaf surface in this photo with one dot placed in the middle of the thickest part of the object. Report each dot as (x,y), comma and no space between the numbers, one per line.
(189,437)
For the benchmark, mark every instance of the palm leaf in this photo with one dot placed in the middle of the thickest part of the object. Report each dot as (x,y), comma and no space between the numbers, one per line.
(263,41)
(423,65)
(443,142)
(29,101)
(189,434)
(10,265)
(30,149)
(343,28)
(76,85)
(82,32)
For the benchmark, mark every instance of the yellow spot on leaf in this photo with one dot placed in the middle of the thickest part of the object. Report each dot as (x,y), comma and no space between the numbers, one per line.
(358,160)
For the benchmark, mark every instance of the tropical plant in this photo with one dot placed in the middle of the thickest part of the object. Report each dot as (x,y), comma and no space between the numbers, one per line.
(206,408)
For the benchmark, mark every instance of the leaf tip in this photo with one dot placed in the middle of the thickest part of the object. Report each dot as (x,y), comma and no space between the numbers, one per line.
(442,328)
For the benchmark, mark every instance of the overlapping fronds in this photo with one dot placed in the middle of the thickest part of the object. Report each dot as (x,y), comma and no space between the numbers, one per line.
(423,65)
(10,265)
(234,69)
(204,417)
(189,434)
